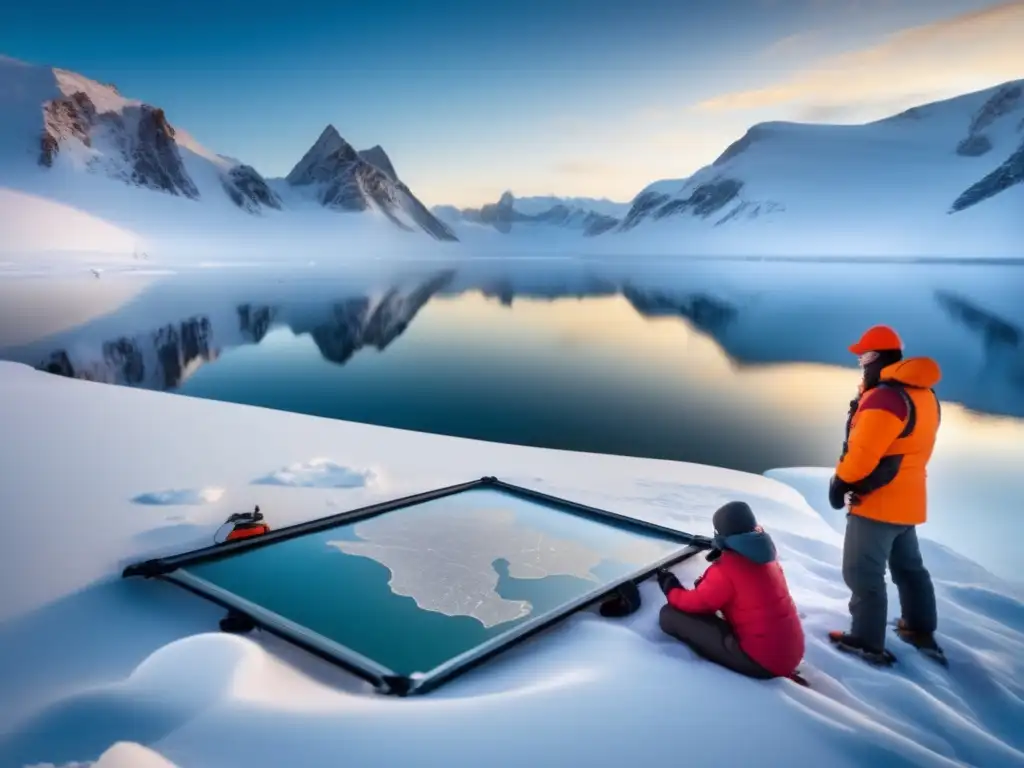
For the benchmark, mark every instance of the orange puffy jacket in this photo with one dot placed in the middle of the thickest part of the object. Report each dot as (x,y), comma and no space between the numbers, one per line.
(891,437)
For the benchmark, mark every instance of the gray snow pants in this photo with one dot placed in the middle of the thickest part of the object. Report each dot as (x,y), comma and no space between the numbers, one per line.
(868,545)
(712,638)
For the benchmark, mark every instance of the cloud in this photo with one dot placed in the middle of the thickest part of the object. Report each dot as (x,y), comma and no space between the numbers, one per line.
(941,59)
(832,113)
(793,44)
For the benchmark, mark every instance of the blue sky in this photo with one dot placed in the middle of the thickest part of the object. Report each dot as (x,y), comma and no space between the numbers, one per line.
(575,97)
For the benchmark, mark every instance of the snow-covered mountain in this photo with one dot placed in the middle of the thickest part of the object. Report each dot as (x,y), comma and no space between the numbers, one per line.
(588,215)
(67,140)
(943,175)
(376,156)
(340,178)
(84,168)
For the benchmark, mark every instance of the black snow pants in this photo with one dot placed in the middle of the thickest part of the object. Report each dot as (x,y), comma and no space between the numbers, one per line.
(867,547)
(712,638)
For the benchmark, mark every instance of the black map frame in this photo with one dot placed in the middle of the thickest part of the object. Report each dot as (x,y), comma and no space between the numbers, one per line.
(383,679)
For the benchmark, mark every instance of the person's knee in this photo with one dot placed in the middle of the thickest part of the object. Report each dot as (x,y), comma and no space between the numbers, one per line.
(864,579)
(914,573)
(863,558)
(906,568)
(849,573)
(668,619)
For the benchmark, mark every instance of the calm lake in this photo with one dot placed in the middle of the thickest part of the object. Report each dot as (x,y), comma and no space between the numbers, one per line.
(740,364)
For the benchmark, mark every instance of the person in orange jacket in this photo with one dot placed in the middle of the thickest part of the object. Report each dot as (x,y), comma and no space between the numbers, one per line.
(881,480)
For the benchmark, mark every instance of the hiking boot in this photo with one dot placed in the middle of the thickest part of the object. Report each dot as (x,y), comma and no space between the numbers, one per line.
(923,641)
(237,623)
(624,602)
(848,643)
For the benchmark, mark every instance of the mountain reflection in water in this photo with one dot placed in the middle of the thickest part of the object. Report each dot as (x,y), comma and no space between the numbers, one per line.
(756,314)
(743,366)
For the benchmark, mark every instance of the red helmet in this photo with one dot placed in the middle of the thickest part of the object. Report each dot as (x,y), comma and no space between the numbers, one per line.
(876,339)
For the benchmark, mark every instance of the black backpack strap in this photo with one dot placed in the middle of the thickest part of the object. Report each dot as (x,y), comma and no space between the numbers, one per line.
(908,429)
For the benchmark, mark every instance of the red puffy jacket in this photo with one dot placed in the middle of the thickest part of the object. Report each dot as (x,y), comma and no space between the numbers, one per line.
(754,598)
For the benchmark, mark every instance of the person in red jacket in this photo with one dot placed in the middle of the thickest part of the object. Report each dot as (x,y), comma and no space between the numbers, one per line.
(759,633)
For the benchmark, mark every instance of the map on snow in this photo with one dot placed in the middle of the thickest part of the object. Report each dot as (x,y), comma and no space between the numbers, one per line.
(447,565)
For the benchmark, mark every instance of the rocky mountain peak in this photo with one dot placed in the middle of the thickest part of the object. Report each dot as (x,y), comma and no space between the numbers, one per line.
(329,155)
(1009,174)
(1008,98)
(378,158)
(345,180)
(141,147)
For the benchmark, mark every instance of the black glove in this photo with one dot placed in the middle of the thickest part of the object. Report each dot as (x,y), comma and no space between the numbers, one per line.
(667,580)
(836,492)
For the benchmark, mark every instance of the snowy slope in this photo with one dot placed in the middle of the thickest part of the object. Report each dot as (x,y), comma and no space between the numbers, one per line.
(588,216)
(149,667)
(940,178)
(27,223)
(79,143)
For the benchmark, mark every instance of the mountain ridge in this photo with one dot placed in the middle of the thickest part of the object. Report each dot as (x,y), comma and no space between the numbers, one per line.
(592,216)
(899,176)
(83,128)
(943,176)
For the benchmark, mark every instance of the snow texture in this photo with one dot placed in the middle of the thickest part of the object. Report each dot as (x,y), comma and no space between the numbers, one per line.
(149,667)
(319,473)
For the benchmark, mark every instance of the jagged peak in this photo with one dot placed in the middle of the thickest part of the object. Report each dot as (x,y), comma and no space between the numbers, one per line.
(329,140)
(378,158)
(329,143)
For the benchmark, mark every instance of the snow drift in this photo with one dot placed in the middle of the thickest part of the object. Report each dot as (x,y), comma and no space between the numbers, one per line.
(27,222)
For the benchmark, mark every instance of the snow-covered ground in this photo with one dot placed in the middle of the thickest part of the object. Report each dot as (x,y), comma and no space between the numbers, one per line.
(88,660)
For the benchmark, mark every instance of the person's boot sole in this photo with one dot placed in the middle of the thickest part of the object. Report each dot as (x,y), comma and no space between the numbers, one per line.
(935,654)
(884,660)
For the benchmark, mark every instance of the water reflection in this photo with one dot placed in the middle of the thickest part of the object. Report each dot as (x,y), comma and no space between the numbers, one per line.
(738,365)
(163,357)
(969,318)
